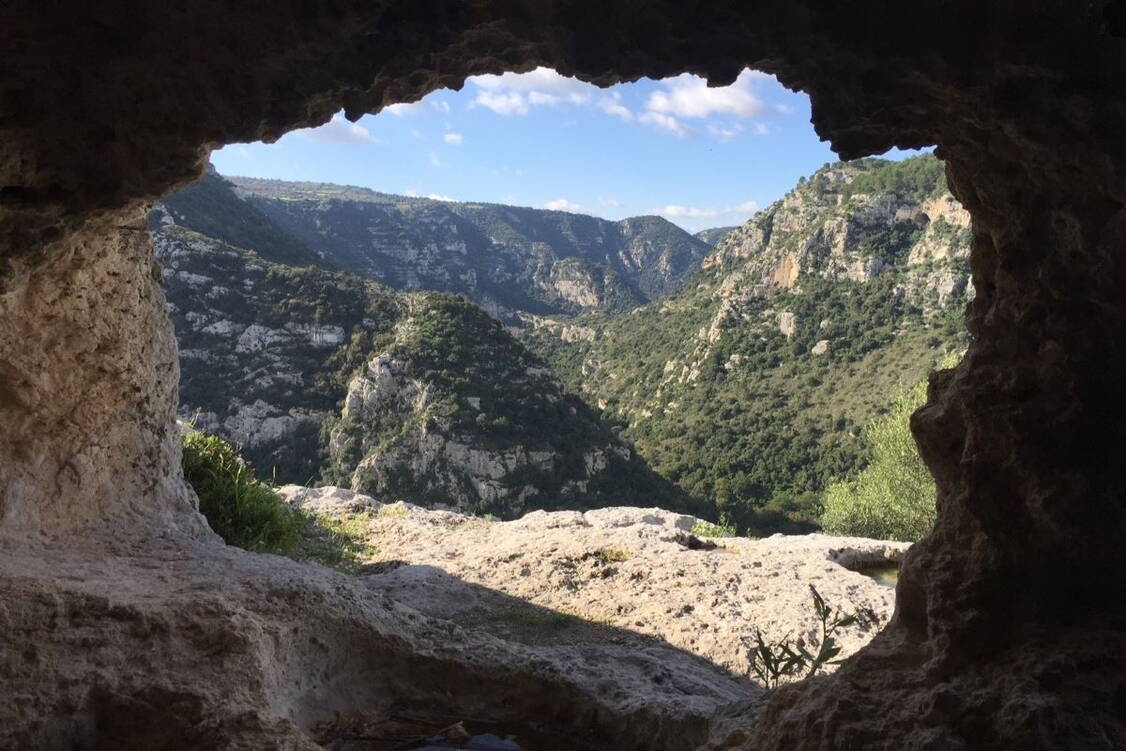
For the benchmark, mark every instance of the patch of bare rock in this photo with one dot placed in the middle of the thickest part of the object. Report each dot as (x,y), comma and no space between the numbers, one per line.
(613,575)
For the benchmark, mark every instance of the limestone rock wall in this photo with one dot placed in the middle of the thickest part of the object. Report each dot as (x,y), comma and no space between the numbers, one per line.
(88,375)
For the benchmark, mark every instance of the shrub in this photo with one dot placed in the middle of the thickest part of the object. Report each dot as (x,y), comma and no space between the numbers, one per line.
(242,510)
(893,497)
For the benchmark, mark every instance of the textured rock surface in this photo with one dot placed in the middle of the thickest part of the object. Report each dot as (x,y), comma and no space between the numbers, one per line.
(630,568)
(1009,624)
(188,646)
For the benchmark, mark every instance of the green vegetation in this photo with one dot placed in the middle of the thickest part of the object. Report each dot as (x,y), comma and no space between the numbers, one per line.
(612,555)
(707,529)
(487,390)
(337,541)
(893,497)
(788,659)
(722,399)
(242,510)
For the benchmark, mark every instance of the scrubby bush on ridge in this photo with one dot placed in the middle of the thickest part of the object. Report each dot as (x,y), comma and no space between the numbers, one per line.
(242,510)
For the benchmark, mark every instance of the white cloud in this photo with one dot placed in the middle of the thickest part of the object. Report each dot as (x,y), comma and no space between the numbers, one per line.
(725,132)
(562,204)
(454,139)
(422,105)
(675,211)
(664,122)
(512,103)
(612,105)
(338,130)
(518,93)
(612,203)
(434,160)
(689,96)
(416,193)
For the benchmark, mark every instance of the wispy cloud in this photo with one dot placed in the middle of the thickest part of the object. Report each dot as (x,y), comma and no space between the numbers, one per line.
(664,122)
(677,211)
(426,104)
(454,139)
(694,218)
(434,160)
(675,102)
(338,130)
(416,193)
(562,204)
(518,93)
(611,104)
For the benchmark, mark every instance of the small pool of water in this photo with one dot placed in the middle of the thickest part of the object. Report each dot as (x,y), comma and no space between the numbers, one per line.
(886,573)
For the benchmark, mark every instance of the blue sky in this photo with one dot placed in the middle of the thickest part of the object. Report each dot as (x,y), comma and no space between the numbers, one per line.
(701,157)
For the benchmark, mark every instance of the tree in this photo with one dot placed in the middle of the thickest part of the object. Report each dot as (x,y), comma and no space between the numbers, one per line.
(893,497)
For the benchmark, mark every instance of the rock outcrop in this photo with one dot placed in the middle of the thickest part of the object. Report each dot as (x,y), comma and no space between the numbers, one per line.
(453,411)
(804,324)
(1008,625)
(635,569)
(420,396)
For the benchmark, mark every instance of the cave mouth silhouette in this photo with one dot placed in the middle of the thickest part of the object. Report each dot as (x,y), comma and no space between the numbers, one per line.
(1004,635)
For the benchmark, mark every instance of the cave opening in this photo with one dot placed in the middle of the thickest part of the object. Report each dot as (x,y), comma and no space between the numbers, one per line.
(992,644)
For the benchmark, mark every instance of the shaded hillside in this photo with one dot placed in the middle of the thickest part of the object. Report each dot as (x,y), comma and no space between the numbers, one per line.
(506,258)
(748,387)
(410,396)
(714,235)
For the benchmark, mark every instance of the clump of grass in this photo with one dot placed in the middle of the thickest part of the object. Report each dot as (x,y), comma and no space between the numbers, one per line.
(241,509)
(337,541)
(612,555)
(392,511)
(706,529)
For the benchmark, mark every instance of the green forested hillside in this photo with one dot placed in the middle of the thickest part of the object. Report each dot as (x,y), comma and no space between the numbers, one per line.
(749,387)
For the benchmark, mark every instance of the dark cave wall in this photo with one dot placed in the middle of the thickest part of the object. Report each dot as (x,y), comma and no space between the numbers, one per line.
(1010,620)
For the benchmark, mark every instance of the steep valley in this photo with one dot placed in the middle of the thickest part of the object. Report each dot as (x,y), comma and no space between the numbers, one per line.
(738,390)
(749,386)
(417,396)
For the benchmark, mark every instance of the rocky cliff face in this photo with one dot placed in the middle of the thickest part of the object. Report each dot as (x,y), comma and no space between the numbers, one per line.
(415,396)
(803,323)
(507,258)
(265,349)
(854,221)
(454,411)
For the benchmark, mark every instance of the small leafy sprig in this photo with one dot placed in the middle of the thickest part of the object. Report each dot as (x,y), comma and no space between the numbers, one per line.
(775,662)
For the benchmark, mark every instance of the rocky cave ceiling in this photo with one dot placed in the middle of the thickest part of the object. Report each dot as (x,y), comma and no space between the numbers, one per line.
(1010,626)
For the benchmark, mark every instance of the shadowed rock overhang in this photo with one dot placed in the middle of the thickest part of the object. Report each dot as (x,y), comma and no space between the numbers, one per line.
(1009,631)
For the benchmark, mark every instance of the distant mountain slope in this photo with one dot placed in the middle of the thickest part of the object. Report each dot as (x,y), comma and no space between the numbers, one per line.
(714,235)
(212,208)
(506,258)
(420,396)
(748,386)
